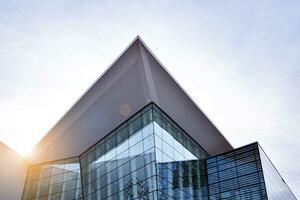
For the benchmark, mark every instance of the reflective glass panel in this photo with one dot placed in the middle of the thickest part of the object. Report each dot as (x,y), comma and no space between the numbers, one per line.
(55,180)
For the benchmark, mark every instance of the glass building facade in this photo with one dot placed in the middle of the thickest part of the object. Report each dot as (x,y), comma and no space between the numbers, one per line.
(276,187)
(150,157)
(236,175)
(136,161)
(122,166)
(54,180)
(245,173)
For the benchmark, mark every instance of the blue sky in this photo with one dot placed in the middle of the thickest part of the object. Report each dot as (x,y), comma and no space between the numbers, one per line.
(239,60)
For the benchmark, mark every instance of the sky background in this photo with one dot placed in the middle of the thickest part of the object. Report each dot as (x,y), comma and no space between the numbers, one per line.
(239,61)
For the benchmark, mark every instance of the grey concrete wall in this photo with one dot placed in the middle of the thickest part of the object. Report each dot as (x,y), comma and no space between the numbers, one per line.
(12,174)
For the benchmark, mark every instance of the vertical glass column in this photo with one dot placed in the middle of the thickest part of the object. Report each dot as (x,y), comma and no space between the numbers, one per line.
(179,161)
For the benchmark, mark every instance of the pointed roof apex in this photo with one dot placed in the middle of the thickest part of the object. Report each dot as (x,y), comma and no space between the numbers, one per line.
(134,79)
(138,37)
(135,39)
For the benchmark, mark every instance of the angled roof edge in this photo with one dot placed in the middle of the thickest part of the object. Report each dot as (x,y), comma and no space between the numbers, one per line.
(51,136)
(41,144)
(88,89)
(187,94)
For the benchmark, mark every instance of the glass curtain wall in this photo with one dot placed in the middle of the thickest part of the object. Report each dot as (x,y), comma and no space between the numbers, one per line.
(150,157)
(276,187)
(147,157)
(58,180)
(180,161)
(236,175)
(122,165)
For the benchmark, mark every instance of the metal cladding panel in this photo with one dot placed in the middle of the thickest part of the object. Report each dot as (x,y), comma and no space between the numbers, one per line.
(12,174)
(131,82)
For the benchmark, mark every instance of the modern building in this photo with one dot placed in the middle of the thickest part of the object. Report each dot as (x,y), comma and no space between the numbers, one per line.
(136,134)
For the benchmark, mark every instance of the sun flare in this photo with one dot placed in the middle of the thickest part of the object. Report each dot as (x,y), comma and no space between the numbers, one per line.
(24,151)
(22,147)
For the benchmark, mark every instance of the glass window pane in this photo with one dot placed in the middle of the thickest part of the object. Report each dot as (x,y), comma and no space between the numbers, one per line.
(137,137)
(56,177)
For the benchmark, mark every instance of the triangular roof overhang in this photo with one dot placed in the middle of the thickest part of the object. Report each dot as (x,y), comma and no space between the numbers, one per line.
(135,78)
